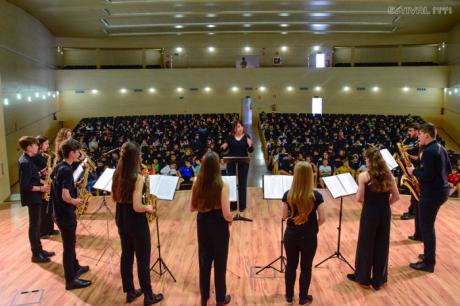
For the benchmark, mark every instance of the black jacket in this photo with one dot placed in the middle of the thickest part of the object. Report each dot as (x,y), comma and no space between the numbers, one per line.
(433,171)
(28,178)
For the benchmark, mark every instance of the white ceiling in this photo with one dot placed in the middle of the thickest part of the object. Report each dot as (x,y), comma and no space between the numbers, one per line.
(102,18)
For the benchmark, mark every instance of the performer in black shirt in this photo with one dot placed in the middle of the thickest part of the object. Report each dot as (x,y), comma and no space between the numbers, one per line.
(210,197)
(303,210)
(432,174)
(31,189)
(41,161)
(65,201)
(133,227)
(239,144)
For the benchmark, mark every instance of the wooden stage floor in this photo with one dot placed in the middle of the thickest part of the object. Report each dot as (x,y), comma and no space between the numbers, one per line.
(251,244)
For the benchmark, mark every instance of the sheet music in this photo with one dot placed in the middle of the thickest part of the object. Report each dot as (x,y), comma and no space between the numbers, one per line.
(231,182)
(78,172)
(341,185)
(276,185)
(163,186)
(104,182)
(391,162)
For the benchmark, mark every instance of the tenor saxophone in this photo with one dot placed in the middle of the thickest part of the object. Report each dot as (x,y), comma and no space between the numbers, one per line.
(149,199)
(410,181)
(84,194)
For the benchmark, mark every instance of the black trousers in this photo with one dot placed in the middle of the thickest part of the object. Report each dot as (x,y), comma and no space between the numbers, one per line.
(134,232)
(373,247)
(428,211)
(46,224)
(417,230)
(213,238)
(243,169)
(34,228)
(68,230)
(304,247)
(412,206)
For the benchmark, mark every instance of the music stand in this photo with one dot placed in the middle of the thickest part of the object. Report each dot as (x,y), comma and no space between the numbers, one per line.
(281,258)
(340,185)
(161,263)
(237,161)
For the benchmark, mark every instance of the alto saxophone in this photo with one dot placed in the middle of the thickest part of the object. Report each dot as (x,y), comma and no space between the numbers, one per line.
(149,199)
(84,194)
(403,160)
(49,169)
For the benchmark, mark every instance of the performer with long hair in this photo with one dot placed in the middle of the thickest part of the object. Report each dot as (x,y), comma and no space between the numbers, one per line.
(377,190)
(210,197)
(133,228)
(304,213)
(239,144)
(434,191)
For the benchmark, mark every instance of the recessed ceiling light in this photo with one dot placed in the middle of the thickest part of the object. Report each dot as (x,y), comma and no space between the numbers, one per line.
(54,95)
(247,49)
(179,26)
(450,93)
(94,91)
(262,88)
(284,48)
(207,89)
(320,14)
(375,88)
(316,48)
(211,26)
(179,89)
(57,93)
(151,89)
(289,88)
(284,14)
(210,33)
(179,16)
(211,49)
(346,88)
(18,96)
(247,25)
(284,25)
(49,94)
(234,88)
(43,97)
(5,101)
(284,33)
(211,15)
(37,95)
(405,88)
(29,99)
(455,90)
(247,15)
(179,49)
(317,88)
(123,90)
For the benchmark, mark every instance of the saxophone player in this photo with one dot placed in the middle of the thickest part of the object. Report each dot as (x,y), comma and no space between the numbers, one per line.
(412,142)
(432,174)
(43,161)
(65,201)
(133,228)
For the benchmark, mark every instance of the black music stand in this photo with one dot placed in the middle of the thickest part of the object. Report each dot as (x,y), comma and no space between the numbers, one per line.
(163,268)
(281,258)
(237,161)
(337,254)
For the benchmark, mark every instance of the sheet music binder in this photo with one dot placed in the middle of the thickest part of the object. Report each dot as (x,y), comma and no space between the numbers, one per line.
(274,186)
(341,185)
(231,182)
(389,160)
(162,186)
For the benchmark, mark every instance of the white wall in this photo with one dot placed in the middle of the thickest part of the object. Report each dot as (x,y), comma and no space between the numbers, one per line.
(27,59)
(391,99)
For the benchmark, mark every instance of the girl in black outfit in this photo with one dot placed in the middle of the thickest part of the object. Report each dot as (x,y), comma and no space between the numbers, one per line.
(210,197)
(239,144)
(133,227)
(303,210)
(377,191)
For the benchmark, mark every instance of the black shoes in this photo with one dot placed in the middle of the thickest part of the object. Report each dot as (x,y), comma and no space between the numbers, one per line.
(306,301)
(407,216)
(421,266)
(421,256)
(352,277)
(77,284)
(228,298)
(131,296)
(48,254)
(82,270)
(150,299)
(40,258)
(289,300)
(415,238)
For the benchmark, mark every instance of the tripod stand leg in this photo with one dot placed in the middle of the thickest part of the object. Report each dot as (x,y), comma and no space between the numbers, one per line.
(335,255)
